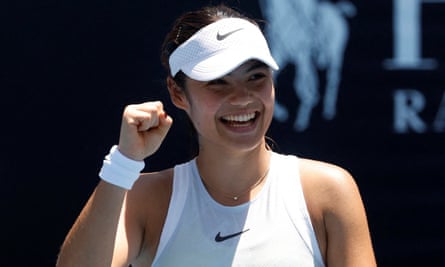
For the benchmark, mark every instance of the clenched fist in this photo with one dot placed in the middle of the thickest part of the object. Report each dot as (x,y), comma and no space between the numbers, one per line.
(144,127)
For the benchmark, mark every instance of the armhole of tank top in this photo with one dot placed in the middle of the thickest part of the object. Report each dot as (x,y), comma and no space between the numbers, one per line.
(310,239)
(180,182)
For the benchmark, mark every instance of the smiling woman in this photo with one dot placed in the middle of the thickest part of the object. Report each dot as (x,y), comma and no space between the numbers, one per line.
(236,108)
(237,202)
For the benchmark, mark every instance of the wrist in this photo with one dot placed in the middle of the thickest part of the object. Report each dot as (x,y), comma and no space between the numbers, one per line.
(120,170)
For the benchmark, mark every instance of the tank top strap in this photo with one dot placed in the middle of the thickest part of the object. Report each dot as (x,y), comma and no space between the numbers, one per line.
(182,179)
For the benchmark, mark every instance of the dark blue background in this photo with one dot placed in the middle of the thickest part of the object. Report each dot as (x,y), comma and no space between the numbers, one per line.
(69,67)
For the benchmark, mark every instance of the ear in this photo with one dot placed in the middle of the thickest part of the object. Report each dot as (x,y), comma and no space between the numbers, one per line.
(177,94)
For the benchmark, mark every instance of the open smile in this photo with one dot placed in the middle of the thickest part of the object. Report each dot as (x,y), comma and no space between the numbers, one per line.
(240,120)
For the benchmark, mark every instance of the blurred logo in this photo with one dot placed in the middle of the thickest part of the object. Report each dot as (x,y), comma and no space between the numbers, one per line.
(410,103)
(311,35)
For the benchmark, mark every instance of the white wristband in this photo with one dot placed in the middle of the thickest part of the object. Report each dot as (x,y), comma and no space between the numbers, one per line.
(119,170)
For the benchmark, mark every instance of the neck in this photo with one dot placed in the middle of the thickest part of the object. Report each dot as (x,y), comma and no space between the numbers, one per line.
(228,175)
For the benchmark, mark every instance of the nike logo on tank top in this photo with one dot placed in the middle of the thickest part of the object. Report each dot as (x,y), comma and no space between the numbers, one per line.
(274,229)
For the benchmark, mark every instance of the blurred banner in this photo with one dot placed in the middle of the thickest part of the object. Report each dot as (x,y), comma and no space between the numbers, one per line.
(361,84)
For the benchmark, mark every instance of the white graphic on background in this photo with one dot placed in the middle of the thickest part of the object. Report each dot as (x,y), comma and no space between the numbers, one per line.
(407,36)
(312,35)
(410,104)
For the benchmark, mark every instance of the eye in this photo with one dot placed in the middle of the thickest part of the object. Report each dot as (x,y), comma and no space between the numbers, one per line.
(217,82)
(257,76)
(217,86)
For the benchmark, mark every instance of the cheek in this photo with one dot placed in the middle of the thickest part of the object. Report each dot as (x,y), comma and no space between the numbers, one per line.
(272,95)
(268,97)
(202,112)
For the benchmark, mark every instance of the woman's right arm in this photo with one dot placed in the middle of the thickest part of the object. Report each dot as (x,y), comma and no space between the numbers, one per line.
(105,234)
(97,237)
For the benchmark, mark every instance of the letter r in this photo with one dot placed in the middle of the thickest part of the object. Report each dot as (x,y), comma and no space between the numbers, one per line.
(408,103)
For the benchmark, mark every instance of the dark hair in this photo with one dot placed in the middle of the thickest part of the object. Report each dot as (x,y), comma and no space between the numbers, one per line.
(188,24)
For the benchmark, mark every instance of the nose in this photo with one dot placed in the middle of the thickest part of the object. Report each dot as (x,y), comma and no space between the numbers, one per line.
(241,96)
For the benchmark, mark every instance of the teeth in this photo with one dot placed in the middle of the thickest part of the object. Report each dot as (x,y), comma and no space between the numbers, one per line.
(239,118)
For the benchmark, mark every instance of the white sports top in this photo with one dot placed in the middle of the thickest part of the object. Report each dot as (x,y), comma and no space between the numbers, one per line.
(274,229)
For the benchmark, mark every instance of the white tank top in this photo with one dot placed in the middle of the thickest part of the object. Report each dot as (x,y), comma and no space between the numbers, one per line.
(274,229)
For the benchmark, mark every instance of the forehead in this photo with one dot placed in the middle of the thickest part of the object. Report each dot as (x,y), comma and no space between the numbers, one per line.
(249,66)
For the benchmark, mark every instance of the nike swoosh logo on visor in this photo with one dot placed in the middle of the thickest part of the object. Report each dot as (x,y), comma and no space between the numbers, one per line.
(220,238)
(221,37)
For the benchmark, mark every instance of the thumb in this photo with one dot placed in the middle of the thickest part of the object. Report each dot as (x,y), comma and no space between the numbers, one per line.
(165,122)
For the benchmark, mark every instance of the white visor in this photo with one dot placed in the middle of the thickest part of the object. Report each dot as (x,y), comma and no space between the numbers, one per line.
(219,48)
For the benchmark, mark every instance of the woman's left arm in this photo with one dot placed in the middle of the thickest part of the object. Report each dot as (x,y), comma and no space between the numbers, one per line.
(347,232)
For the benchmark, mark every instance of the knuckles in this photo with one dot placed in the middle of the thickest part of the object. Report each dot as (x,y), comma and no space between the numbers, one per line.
(145,111)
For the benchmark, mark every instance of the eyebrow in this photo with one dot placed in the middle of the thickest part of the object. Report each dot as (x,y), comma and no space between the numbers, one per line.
(256,65)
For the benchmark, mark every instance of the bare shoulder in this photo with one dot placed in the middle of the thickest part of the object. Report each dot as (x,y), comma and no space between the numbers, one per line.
(323,184)
(323,170)
(149,198)
(337,213)
(328,188)
(325,181)
(152,190)
(155,180)
(147,206)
